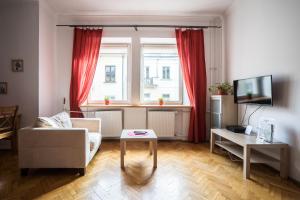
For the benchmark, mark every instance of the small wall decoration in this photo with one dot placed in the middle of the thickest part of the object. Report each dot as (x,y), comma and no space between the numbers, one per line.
(17,65)
(3,88)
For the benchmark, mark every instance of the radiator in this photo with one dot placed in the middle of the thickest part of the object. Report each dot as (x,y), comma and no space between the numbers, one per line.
(134,118)
(162,122)
(111,123)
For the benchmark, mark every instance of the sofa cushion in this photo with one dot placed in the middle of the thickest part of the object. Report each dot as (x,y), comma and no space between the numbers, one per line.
(95,141)
(45,122)
(62,120)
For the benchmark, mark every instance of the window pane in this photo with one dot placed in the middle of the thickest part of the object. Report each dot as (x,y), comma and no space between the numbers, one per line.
(166,73)
(111,73)
(166,96)
(147,73)
(161,75)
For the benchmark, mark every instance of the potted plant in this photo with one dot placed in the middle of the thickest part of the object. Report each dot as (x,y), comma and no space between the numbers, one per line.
(161,101)
(249,95)
(106,100)
(221,88)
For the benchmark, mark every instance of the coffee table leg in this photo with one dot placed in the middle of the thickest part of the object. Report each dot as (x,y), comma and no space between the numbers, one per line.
(154,143)
(122,146)
(151,147)
(125,147)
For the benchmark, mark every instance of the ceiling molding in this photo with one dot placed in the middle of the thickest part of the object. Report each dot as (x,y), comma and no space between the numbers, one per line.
(141,13)
(191,8)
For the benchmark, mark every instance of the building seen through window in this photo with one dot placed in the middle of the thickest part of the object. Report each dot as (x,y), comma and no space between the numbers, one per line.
(110,78)
(110,73)
(160,77)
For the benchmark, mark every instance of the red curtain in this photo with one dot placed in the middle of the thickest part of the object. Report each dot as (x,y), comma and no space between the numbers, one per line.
(190,45)
(86,47)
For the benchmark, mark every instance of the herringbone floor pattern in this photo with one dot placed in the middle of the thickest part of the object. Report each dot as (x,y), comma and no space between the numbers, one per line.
(185,171)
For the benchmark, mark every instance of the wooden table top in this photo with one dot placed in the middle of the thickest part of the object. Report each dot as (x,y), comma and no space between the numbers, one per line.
(126,135)
(243,139)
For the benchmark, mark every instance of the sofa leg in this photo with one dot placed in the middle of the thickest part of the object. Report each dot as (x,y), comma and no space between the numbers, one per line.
(24,171)
(81,171)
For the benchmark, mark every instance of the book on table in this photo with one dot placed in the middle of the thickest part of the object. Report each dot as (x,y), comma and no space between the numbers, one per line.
(138,133)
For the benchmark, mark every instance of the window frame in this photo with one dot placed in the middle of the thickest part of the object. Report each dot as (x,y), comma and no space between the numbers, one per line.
(142,81)
(129,70)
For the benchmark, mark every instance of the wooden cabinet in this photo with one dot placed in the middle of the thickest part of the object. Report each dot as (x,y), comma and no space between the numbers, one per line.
(223,111)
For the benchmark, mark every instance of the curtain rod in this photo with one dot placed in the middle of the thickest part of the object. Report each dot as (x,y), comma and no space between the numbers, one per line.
(137,26)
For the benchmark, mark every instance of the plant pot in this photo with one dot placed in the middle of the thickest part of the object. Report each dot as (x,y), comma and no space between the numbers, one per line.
(161,102)
(106,102)
(249,96)
(221,92)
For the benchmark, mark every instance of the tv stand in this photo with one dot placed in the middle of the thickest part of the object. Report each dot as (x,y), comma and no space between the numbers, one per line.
(243,146)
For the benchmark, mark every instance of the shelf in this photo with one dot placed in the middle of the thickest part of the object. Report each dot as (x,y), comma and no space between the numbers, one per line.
(237,150)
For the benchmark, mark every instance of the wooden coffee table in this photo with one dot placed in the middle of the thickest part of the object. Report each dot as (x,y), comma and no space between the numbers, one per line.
(128,135)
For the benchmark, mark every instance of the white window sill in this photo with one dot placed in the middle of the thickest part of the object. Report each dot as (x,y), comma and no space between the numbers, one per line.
(132,106)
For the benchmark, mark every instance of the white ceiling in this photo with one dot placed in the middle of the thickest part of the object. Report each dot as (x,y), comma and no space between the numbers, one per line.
(139,7)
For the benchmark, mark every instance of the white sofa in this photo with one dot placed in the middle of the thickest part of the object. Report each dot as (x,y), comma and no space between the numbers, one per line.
(60,147)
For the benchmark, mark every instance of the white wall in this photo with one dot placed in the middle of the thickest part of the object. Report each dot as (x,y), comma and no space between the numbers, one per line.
(47,43)
(63,66)
(19,22)
(262,37)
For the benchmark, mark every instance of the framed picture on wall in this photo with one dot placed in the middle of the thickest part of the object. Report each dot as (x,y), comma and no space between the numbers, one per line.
(3,88)
(17,65)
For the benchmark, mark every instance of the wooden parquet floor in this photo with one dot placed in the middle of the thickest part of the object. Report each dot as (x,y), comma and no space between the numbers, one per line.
(185,171)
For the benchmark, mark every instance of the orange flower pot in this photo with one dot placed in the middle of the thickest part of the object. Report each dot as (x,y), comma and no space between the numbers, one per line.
(161,102)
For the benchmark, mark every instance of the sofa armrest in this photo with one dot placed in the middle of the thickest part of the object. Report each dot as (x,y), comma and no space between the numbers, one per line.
(92,124)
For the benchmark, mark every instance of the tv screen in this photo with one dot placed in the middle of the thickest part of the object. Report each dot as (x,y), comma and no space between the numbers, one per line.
(256,90)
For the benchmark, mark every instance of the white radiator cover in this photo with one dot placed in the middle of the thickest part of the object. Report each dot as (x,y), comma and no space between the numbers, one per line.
(111,123)
(135,118)
(162,122)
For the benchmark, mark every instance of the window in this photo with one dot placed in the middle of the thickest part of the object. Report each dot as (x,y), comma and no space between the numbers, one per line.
(160,71)
(147,72)
(111,73)
(111,97)
(166,73)
(147,95)
(166,97)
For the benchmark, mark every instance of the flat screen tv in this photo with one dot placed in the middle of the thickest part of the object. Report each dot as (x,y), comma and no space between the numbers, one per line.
(257,90)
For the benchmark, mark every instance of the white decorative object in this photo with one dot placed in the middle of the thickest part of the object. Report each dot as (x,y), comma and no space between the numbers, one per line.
(265,130)
(248,130)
